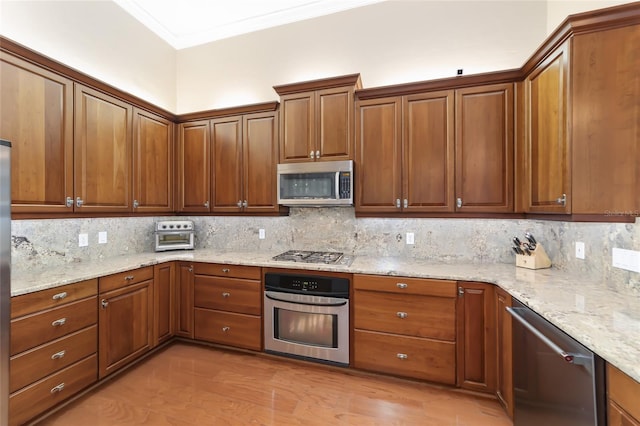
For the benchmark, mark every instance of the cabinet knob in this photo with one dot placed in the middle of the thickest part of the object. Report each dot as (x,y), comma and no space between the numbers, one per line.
(59,322)
(402,356)
(312,155)
(458,202)
(69,202)
(58,388)
(402,315)
(402,285)
(225,294)
(136,204)
(59,296)
(58,355)
(79,202)
(225,329)
(104,303)
(562,200)
(397,203)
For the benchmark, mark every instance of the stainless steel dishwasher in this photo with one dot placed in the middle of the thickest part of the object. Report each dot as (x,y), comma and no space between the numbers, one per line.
(556,380)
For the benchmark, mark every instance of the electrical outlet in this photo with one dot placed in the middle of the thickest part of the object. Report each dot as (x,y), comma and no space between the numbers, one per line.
(102,237)
(626,259)
(83,240)
(261,234)
(410,238)
(579,250)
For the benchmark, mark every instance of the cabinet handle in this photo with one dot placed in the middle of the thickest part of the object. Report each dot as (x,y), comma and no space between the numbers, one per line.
(58,388)
(402,315)
(239,203)
(59,296)
(460,291)
(317,154)
(402,356)
(244,204)
(79,202)
(225,329)
(135,204)
(397,203)
(562,200)
(458,202)
(58,355)
(69,202)
(225,294)
(190,269)
(59,322)
(406,203)
(104,303)
(402,285)
(226,270)
(312,155)
(129,277)
(206,204)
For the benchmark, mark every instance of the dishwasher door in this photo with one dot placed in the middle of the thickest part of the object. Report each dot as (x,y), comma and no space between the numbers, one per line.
(557,381)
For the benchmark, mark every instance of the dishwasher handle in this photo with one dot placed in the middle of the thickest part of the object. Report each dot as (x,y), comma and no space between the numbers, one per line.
(569,357)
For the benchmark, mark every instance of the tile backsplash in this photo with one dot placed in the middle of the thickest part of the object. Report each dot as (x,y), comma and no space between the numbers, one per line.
(42,243)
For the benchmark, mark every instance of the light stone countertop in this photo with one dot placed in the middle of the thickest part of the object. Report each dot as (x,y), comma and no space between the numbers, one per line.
(603,317)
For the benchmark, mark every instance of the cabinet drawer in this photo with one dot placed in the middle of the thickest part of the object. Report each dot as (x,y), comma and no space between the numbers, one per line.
(228,294)
(243,331)
(403,285)
(233,271)
(37,363)
(39,397)
(624,391)
(425,358)
(411,315)
(34,330)
(124,279)
(45,299)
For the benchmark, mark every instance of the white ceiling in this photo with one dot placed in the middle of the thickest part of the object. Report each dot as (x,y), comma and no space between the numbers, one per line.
(187,23)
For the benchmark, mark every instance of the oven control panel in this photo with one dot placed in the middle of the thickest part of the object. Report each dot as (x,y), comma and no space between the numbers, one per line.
(314,285)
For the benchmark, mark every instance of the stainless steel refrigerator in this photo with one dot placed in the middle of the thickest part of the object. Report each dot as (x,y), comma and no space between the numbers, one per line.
(5,276)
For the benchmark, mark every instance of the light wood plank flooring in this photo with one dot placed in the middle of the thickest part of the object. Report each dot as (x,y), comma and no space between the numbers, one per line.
(193,385)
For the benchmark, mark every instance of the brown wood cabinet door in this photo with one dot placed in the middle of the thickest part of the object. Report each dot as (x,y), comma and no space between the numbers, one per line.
(184,300)
(476,337)
(153,158)
(484,149)
(334,139)
(164,283)
(102,152)
(428,152)
(379,155)
(547,161)
(297,127)
(125,324)
(605,111)
(194,165)
(260,156)
(504,373)
(226,141)
(37,118)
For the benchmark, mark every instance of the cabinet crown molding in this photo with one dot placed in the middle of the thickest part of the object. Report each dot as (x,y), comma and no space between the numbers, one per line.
(324,83)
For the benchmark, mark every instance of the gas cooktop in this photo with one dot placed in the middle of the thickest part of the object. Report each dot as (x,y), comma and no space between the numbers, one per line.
(328,257)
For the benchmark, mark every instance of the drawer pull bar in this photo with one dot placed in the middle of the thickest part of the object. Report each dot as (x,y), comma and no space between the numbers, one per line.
(402,315)
(58,355)
(58,388)
(402,356)
(129,277)
(225,294)
(402,285)
(59,296)
(226,270)
(225,329)
(59,322)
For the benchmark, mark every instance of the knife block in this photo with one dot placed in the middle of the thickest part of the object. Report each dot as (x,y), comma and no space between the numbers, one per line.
(537,260)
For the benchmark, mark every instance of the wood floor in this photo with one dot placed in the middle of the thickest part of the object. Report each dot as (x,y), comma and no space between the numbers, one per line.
(193,385)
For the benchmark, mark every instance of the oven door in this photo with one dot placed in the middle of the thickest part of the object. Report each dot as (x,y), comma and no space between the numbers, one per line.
(307,326)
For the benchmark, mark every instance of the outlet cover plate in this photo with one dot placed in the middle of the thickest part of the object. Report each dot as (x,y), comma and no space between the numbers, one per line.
(83,240)
(410,238)
(102,237)
(626,259)
(580,250)
(261,234)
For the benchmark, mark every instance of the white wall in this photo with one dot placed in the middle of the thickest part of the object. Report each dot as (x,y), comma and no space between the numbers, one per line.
(388,43)
(558,10)
(98,38)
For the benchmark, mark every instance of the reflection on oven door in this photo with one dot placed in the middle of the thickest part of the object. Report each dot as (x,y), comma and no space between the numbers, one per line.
(306,328)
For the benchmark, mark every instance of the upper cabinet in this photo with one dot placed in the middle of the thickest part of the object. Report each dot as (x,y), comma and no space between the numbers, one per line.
(37,117)
(194,166)
(317,119)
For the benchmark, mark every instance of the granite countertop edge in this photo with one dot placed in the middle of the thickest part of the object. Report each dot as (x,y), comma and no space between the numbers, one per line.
(603,317)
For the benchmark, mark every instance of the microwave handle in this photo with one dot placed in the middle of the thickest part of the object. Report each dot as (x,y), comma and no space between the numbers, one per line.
(337,182)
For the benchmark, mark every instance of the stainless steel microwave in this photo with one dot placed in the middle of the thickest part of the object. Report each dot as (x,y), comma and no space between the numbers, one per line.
(322,183)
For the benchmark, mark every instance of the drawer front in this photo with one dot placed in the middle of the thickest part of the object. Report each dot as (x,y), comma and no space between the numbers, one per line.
(405,356)
(34,330)
(410,315)
(37,363)
(39,397)
(233,271)
(240,330)
(403,285)
(124,279)
(228,294)
(45,299)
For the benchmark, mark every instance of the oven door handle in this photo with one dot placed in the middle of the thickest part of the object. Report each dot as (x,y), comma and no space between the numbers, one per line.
(294,298)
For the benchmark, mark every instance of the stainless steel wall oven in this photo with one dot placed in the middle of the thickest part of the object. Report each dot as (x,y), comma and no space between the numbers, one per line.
(307,316)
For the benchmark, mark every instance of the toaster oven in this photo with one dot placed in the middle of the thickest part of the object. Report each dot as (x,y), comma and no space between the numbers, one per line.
(175,235)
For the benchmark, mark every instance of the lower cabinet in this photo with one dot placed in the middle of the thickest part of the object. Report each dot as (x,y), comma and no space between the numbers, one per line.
(164,280)
(228,305)
(624,398)
(53,348)
(504,358)
(125,318)
(184,300)
(476,337)
(405,326)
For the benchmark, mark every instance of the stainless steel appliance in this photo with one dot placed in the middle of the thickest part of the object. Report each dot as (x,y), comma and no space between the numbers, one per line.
(323,183)
(175,235)
(327,257)
(557,381)
(5,276)
(307,316)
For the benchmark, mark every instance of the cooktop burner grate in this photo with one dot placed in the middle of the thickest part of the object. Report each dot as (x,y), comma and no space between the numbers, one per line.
(328,257)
